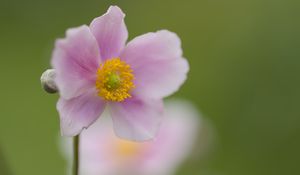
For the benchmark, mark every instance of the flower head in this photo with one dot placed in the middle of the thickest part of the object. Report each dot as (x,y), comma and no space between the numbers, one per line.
(94,69)
(104,153)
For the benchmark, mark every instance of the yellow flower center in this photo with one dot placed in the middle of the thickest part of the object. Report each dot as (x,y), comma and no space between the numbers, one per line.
(114,80)
(126,148)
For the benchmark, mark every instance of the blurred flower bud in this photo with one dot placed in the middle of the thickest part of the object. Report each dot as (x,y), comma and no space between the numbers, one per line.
(47,81)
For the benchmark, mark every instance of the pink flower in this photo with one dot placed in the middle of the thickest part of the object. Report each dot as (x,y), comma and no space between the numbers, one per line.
(103,153)
(95,69)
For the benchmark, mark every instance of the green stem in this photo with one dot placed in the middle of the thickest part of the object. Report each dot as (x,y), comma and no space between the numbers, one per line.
(76,155)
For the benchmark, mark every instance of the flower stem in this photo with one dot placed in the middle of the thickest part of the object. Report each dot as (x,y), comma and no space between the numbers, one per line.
(76,155)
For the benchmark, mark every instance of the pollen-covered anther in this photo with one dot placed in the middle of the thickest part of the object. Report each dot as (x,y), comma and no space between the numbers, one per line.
(114,80)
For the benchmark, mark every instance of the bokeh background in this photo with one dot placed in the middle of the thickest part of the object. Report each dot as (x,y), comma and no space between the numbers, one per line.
(245,66)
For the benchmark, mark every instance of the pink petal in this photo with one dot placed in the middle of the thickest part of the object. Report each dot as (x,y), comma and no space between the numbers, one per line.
(110,32)
(175,140)
(96,143)
(79,113)
(75,59)
(158,65)
(136,119)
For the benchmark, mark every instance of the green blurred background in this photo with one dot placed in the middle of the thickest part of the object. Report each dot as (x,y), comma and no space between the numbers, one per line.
(245,66)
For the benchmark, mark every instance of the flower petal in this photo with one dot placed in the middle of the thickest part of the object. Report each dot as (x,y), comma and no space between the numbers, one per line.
(158,65)
(136,119)
(79,113)
(75,60)
(96,141)
(111,32)
(175,140)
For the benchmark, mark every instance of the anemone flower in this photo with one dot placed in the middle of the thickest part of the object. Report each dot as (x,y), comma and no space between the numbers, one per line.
(101,152)
(95,69)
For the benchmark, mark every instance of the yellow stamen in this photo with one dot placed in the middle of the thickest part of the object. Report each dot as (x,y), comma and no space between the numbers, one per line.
(127,148)
(114,80)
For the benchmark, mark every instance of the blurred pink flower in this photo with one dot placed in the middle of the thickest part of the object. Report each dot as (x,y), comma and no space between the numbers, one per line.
(101,152)
(94,69)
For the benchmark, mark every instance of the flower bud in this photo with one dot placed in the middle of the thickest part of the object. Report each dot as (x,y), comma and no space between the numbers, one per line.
(47,81)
